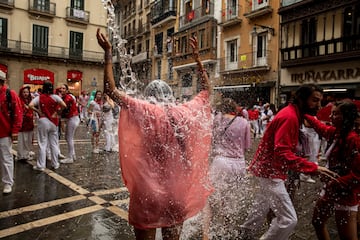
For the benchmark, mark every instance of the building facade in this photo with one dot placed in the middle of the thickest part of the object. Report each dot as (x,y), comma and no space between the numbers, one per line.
(134,19)
(320,43)
(196,18)
(249,45)
(52,40)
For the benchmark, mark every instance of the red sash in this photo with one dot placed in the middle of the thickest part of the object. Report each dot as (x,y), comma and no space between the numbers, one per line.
(48,107)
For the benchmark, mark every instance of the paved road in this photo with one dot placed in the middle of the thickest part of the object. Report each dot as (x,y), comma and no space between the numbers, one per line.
(87,200)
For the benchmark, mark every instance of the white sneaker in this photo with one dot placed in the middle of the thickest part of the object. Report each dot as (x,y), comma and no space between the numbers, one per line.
(306,178)
(96,150)
(7,189)
(67,160)
(61,156)
(56,167)
(38,168)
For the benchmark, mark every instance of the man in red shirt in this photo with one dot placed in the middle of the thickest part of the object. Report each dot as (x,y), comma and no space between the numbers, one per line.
(275,156)
(11,121)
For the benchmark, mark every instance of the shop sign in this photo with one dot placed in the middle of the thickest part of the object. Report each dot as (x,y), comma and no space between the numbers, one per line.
(74,75)
(326,75)
(38,76)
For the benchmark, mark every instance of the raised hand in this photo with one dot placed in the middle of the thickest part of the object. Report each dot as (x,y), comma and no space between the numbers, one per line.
(195,47)
(103,40)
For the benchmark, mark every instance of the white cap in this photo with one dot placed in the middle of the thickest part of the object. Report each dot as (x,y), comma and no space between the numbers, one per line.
(2,76)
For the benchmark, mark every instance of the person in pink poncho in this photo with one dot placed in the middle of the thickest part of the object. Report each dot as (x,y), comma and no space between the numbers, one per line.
(164,151)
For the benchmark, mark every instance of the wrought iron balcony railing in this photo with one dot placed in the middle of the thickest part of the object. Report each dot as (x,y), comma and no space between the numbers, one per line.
(230,15)
(196,14)
(246,61)
(162,10)
(7,3)
(46,8)
(77,15)
(8,46)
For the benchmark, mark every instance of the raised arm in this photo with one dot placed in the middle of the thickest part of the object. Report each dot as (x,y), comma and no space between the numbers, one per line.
(204,76)
(109,82)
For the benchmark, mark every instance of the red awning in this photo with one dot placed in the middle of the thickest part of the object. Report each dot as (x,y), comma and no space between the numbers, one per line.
(38,76)
(74,75)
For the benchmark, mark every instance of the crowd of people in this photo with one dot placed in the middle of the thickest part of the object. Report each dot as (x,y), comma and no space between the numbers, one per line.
(181,159)
(52,113)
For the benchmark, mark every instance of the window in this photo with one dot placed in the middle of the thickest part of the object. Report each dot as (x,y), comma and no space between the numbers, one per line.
(159,42)
(232,9)
(232,51)
(183,48)
(257,4)
(260,49)
(40,39)
(308,37)
(43,5)
(77,4)
(158,69)
(351,28)
(170,70)
(231,54)
(187,80)
(201,38)
(3,32)
(76,45)
(261,46)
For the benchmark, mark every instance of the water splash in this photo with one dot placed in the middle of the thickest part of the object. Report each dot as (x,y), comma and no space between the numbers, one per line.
(127,81)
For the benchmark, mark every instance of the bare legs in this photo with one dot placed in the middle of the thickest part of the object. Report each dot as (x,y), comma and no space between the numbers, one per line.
(346,221)
(168,233)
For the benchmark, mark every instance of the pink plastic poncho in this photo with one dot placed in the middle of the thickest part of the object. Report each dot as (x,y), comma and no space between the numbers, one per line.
(165,172)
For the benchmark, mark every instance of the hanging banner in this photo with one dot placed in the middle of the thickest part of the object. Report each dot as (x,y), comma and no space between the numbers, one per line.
(38,76)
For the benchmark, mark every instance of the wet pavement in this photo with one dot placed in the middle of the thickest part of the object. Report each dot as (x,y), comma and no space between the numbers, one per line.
(87,200)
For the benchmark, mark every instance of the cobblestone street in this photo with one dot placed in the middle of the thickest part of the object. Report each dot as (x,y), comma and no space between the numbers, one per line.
(87,200)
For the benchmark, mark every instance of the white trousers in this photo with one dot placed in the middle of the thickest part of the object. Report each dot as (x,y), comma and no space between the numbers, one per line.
(24,145)
(47,134)
(109,133)
(7,161)
(272,195)
(70,129)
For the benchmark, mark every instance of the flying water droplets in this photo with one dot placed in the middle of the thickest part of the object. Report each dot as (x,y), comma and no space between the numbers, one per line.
(127,81)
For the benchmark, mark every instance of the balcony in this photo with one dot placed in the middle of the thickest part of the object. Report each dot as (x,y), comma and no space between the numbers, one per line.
(286,3)
(77,15)
(197,14)
(187,58)
(7,4)
(143,29)
(47,9)
(230,16)
(141,57)
(162,13)
(334,50)
(257,8)
(245,62)
(29,50)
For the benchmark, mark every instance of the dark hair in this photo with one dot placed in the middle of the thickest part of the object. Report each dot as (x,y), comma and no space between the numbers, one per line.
(349,112)
(48,88)
(66,86)
(227,105)
(304,92)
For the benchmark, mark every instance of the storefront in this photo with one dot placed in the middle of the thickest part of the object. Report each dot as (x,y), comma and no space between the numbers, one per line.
(35,78)
(338,81)
(74,81)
